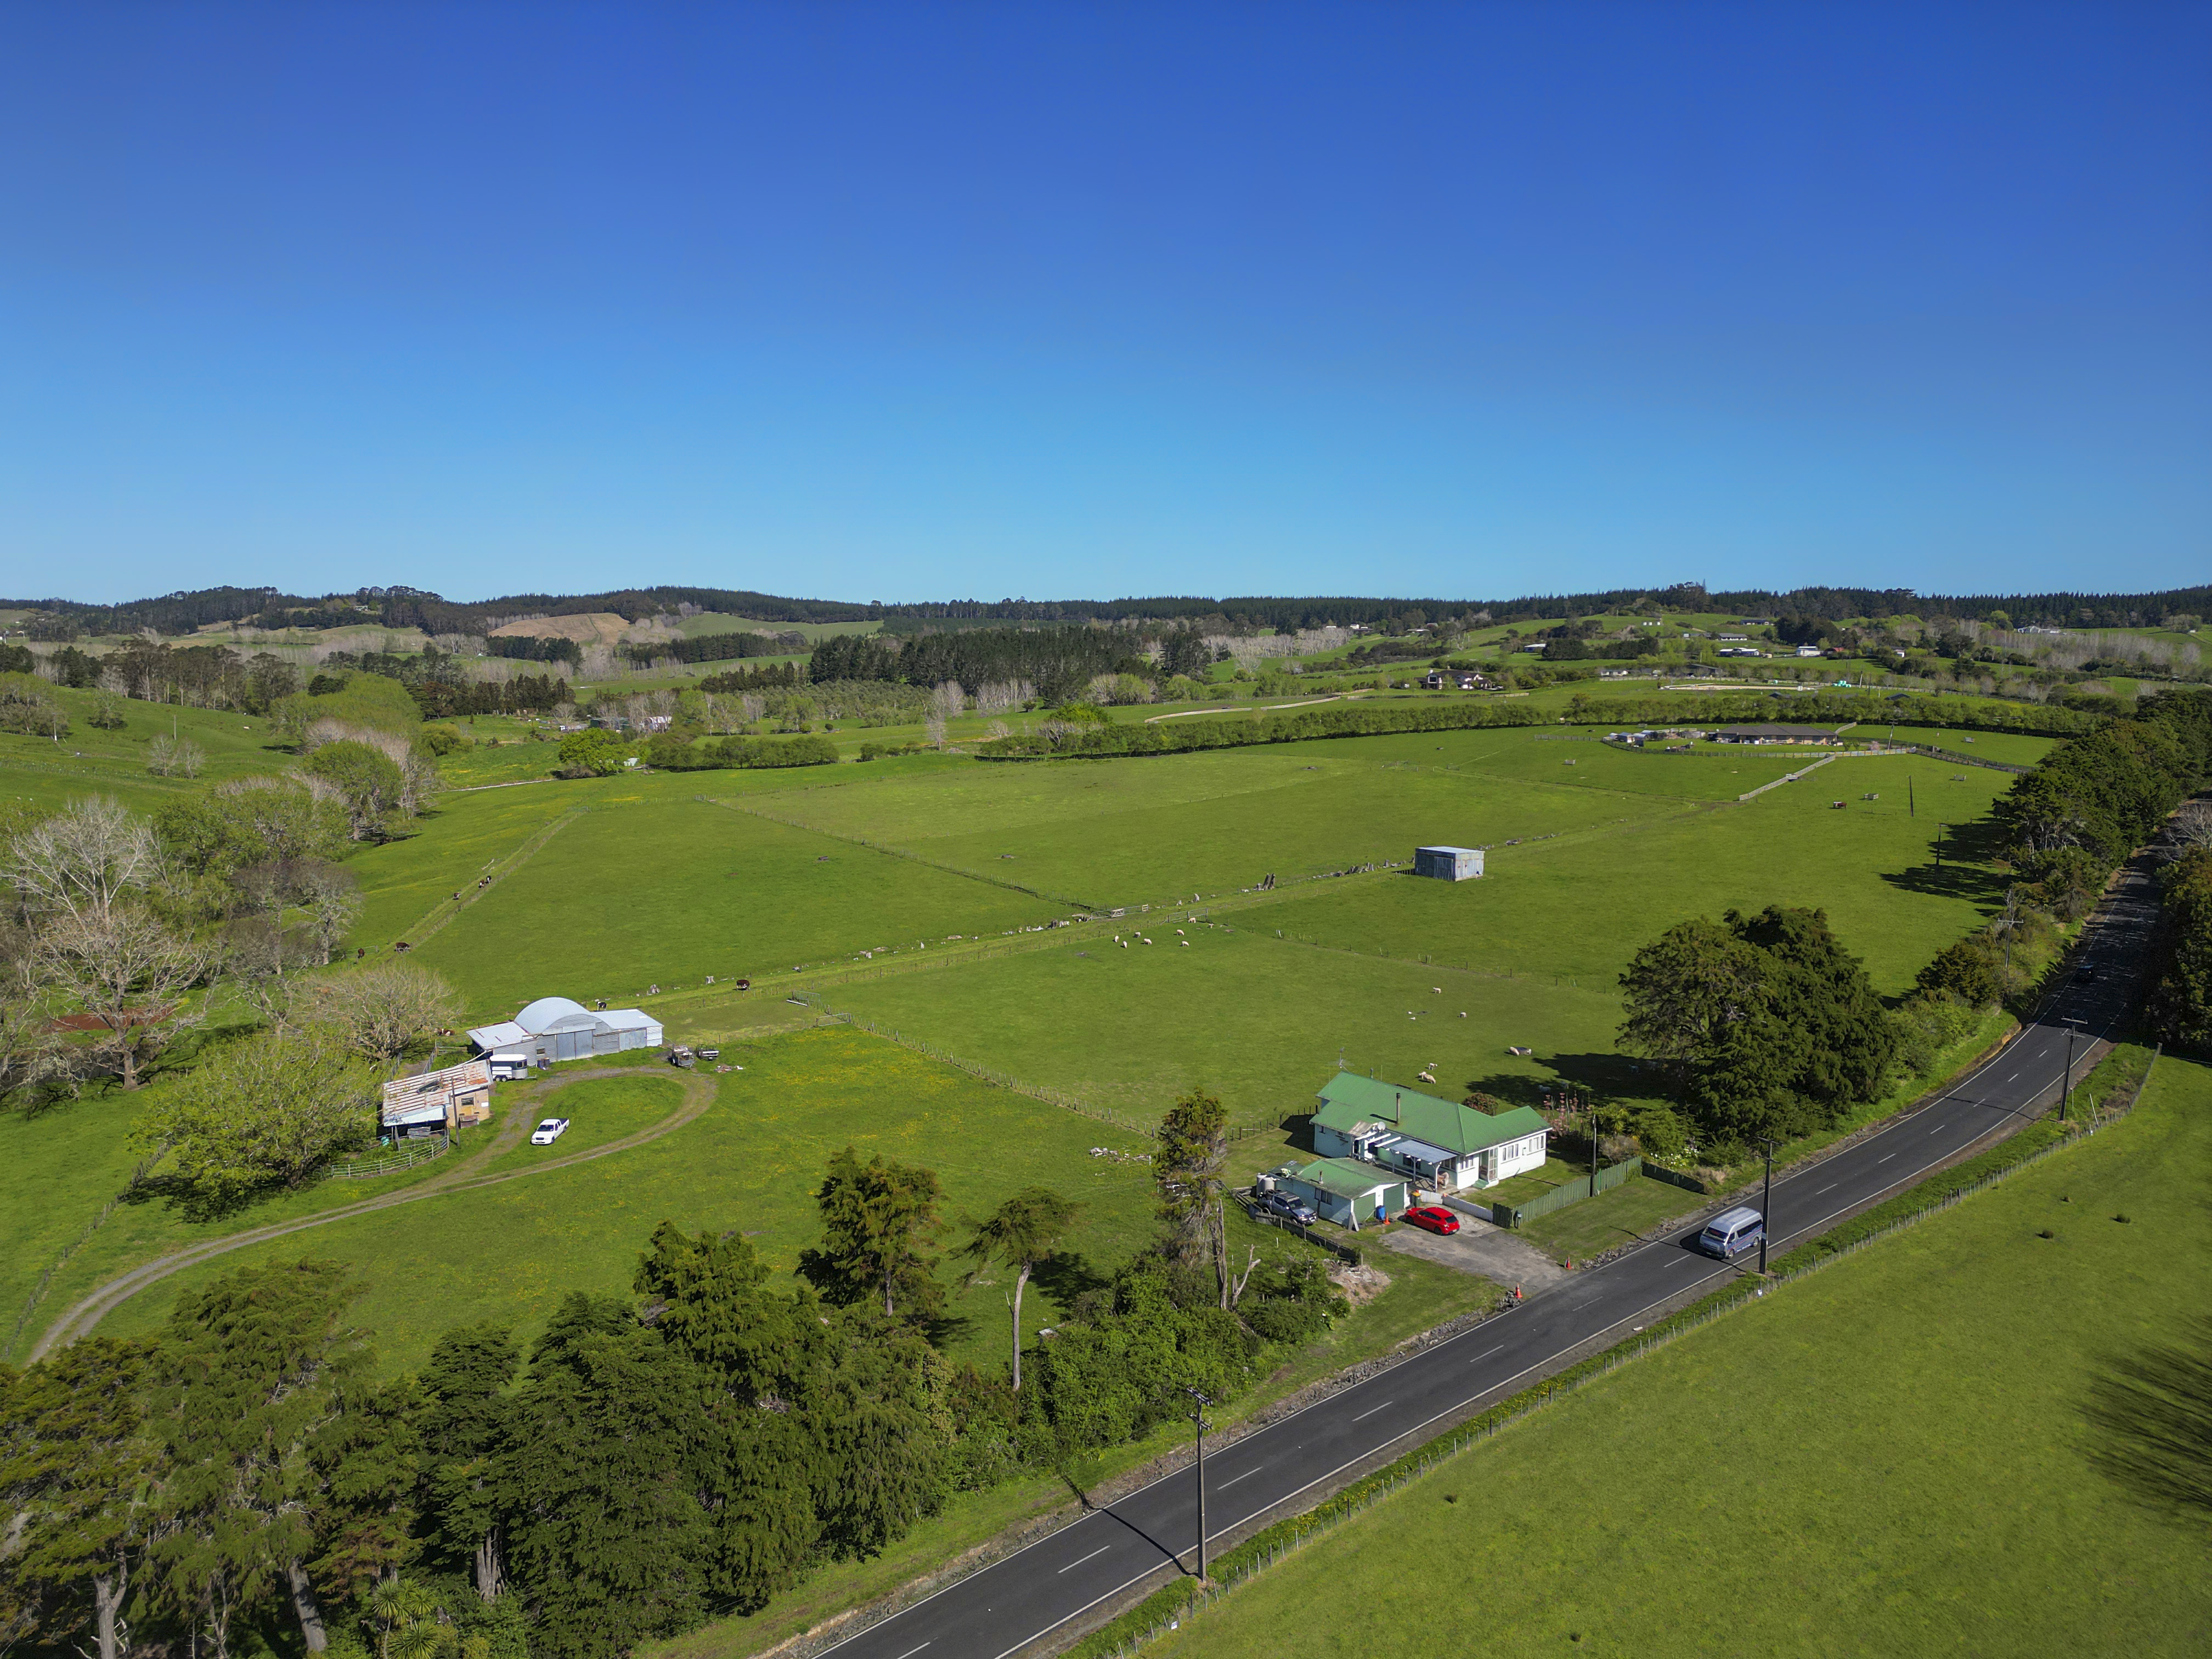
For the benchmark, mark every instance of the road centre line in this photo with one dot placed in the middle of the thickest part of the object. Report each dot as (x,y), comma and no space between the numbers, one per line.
(1483,1355)
(1247,1475)
(910,1652)
(1070,1567)
(1830,1188)
(1371,1410)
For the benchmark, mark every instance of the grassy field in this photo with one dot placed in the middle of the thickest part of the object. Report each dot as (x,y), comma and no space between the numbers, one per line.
(1259,1021)
(1888,1457)
(1621,1215)
(510,1251)
(649,887)
(1581,906)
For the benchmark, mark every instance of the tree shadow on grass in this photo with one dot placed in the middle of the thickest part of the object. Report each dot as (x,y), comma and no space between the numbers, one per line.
(2149,1416)
(193,1200)
(1969,851)
(1068,1276)
(1601,1078)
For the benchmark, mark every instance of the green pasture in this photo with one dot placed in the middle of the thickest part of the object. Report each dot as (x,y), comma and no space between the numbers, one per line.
(1259,1021)
(59,1169)
(1619,1215)
(460,839)
(598,1110)
(716,622)
(511,1251)
(1123,832)
(1581,906)
(650,887)
(89,761)
(1891,1456)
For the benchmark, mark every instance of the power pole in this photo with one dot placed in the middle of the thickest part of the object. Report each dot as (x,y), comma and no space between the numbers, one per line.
(1767,1203)
(2066,1090)
(1199,1402)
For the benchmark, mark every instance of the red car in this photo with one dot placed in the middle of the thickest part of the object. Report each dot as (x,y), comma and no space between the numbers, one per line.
(1432,1218)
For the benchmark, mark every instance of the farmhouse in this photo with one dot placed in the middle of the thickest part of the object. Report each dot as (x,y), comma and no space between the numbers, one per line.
(1435,1143)
(1448,863)
(553,1027)
(1341,1190)
(432,1101)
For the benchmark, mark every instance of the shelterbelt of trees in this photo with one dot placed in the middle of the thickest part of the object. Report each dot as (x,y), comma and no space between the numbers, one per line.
(653,1460)
(1077,740)
(1768,1026)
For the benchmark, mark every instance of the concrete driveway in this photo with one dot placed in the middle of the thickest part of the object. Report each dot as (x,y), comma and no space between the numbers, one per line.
(1477,1247)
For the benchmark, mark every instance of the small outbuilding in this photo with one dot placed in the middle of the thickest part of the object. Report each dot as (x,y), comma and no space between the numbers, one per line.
(1350,1194)
(556,1029)
(1448,863)
(432,1102)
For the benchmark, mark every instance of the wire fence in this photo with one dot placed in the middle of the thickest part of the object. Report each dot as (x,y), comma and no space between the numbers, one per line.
(39,1290)
(1164,1610)
(405,1155)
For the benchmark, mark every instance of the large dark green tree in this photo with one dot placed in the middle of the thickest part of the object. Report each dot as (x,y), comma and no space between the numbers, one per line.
(75,1468)
(461,1425)
(878,1221)
(247,1388)
(608,1440)
(1188,1166)
(1768,1024)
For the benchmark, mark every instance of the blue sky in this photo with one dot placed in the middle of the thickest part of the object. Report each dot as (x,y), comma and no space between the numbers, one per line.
(913,302)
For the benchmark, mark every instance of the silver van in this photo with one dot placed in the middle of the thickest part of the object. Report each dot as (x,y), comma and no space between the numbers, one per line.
(1731,1231)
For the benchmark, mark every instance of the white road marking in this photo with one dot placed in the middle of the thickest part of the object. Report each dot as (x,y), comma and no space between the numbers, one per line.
(1371,1410)
(1070,1567)
(1885,1158)
(1485,1354)
(1939,1128)
(1247,1475)
(910,1652)
(1830,1188)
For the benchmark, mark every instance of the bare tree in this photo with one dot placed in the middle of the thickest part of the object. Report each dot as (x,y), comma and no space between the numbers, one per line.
(127,972)
(382,1012)
(82,860)
(28,1051)
(932,730)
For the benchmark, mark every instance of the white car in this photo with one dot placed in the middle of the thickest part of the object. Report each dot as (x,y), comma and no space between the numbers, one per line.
(549,1132)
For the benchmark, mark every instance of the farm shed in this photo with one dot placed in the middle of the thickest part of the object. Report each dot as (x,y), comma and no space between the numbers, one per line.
(555,1029)
(433,1101)
(1344,1192)
(1448,863)
(1775,734)
(1436,1143)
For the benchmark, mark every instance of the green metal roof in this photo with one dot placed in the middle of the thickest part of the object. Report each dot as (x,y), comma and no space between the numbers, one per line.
(1347,1177)
(1348,1099)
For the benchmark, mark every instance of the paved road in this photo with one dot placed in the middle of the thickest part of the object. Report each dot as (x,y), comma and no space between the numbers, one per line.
(1021,1600)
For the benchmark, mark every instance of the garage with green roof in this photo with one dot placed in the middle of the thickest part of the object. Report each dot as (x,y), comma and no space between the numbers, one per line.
(1438,1144)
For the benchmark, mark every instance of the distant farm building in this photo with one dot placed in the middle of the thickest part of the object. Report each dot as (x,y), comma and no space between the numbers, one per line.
(432,1102)
(556,1029)
(1448,863)
(1775,734)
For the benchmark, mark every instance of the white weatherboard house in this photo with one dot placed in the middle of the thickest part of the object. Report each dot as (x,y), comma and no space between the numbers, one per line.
(556,1028)
(1437,1143)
